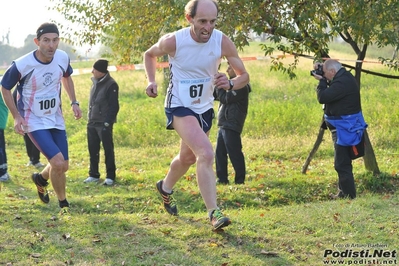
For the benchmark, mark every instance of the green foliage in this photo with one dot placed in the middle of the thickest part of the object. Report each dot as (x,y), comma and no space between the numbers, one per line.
(6,53)
(129,27)
(302,28)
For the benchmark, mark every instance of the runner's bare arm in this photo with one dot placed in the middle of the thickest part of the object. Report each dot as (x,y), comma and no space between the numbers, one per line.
(165,46)
(69,87)
(229,51)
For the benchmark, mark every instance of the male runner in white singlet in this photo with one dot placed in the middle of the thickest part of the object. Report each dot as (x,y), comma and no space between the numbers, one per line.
(38,76)
(194,54)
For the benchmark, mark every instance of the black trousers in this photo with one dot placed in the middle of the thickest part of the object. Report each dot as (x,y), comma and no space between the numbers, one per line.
(3,154)
(343,166)
(229,143)
(97,134)
(31,150)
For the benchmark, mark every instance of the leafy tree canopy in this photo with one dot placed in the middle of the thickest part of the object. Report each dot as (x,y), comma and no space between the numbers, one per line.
(128,27)
(297,27)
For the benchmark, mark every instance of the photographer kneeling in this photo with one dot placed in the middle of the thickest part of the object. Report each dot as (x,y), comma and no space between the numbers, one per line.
(339,92)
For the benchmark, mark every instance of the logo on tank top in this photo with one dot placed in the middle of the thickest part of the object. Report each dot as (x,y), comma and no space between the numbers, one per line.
(198,101)
(48,79)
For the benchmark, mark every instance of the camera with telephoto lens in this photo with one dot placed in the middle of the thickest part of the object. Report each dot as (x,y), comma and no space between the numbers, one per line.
(318,71)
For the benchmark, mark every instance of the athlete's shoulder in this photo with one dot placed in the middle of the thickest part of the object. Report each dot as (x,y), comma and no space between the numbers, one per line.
(183,31)
(28,56)
(61,54)
(219,32)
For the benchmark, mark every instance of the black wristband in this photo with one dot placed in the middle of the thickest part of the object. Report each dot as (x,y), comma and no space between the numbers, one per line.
(231,83)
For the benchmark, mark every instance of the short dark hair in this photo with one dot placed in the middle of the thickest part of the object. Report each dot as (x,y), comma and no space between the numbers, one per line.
(191,7)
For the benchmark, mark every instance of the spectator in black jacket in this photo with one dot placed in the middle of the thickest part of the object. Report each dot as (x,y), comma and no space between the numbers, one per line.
(339,91)
(103,109)
(232,112)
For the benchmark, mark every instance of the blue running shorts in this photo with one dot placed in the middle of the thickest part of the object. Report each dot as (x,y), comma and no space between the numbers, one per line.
(50,142)
(204,119)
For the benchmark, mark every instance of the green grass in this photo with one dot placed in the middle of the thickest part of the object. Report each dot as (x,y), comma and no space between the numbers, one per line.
(280,216)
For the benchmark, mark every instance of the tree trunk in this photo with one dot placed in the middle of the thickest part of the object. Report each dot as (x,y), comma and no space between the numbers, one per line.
(369,159)
(370,162)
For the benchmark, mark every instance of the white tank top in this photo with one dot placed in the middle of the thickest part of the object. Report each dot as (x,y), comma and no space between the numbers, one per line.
(192,70)
(40,90)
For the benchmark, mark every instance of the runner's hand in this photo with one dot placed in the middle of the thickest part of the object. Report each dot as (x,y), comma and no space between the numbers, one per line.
(152,90)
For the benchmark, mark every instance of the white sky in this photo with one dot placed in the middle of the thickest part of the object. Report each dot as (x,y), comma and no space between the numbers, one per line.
(23,17)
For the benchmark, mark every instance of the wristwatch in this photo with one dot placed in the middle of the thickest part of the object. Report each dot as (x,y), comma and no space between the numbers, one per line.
(75,102)
(106,124)
(231,84)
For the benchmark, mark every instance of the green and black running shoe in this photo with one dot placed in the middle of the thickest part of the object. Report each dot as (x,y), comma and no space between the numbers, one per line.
(218,220)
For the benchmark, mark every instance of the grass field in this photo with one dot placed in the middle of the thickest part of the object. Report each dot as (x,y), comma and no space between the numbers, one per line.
(280,216)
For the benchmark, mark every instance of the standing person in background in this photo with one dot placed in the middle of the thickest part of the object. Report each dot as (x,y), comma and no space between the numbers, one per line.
(38,76)
(31,150)
(103,109)
(339,91)
(195,53)
(4,176)
(231,117)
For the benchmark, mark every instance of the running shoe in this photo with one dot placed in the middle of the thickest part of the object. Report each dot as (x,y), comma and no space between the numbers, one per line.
(168,201)
(218,221)
(39,165)
(4,177)
(108,182)
(91,179)
(41,190)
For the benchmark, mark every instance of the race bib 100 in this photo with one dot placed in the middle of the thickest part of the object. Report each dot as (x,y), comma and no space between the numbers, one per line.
(45,105)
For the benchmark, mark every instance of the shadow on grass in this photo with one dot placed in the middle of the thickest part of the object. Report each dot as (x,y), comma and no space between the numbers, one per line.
(284,191)
(383,183)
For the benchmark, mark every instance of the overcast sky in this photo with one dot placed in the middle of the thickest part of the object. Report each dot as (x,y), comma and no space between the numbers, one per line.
(23,17)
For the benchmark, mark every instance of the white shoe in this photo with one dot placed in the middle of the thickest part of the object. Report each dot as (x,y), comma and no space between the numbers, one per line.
(29,163)
(108,182)
(39,165)
(91,179)
(4,177)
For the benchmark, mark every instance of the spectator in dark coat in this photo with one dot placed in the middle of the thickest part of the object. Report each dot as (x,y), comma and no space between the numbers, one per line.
(231,118)
(103,109)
